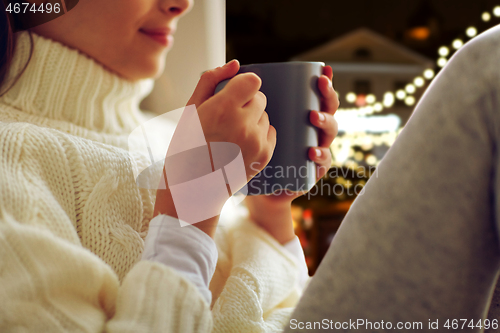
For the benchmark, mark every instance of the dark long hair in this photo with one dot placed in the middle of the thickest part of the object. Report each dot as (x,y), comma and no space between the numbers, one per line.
(7,47)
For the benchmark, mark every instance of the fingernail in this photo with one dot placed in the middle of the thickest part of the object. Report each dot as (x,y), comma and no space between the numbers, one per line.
(227,64)
(321,116)
(318,152)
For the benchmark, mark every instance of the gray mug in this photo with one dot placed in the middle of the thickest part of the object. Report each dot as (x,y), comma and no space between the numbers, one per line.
(292,92)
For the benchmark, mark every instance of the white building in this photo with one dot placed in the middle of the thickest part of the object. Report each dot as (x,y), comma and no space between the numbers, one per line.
(366,63)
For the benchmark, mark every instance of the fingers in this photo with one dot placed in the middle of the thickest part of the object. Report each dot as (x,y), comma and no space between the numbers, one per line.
(269,142)
(256,107)
(264,123)
(271,137)
(210,79)
(328,126)
(241,89)
(323,159)
(329,98)
(268,130)
(328,71)
(264,120)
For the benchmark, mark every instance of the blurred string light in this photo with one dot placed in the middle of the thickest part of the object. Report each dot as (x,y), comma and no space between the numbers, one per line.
(457,43)
(429,74)
(359,156)
(370,99)
(345,155)
(401,94)
(410,100)
(410,88)
(351,97)
(496,11)
(444,51)
(389,99)
(442,62)
(371,160)
(471,32)
(420,81)
(354,122)
(342,146)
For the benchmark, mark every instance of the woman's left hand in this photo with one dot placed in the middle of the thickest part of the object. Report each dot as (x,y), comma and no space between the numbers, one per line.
(325,122)
(263,208)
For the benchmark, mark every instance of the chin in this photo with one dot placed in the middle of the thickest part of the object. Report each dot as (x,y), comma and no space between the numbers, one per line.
(149,69)
(158,73)
(160,65)
(144,71)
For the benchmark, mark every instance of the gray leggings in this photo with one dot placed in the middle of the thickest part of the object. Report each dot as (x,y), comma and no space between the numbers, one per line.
(422,243)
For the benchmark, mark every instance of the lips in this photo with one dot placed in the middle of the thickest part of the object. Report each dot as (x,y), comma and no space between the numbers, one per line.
(161,35)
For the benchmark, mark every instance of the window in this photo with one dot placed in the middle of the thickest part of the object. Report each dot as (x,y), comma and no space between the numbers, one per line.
(362,54)
(361,89)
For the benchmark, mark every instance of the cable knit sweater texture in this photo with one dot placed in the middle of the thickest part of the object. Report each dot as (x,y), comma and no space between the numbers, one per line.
(73,221)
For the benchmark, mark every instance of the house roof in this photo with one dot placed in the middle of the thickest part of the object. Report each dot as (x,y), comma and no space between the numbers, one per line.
(382,49)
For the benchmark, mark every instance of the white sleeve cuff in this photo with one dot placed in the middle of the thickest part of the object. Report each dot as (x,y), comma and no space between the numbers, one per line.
(295,249)
(187,249)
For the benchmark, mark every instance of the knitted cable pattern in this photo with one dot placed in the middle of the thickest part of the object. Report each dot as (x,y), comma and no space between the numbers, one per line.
(73,221)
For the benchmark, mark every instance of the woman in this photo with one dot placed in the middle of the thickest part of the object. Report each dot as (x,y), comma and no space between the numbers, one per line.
(72,220)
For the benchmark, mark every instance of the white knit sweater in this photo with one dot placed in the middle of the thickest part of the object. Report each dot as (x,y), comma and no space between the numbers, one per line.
(73,221)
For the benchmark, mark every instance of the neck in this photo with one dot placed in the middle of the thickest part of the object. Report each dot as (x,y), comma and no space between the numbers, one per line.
(63,84)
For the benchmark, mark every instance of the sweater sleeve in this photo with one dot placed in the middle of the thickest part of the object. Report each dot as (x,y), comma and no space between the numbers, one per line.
(188,250)
(295,249)
(52,283)
(255,286)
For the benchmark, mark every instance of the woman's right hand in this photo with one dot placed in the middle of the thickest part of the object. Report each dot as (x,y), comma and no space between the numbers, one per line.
(236,114)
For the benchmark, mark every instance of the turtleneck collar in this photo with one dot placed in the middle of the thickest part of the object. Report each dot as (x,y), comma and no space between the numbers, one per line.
(63,84)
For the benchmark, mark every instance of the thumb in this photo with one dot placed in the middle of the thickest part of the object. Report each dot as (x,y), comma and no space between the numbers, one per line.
(210,79)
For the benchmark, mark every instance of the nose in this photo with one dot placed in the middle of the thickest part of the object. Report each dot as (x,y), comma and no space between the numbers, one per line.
(176,7)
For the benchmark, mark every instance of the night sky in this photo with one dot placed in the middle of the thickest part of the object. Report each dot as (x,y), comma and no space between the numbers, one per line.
(275,30)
